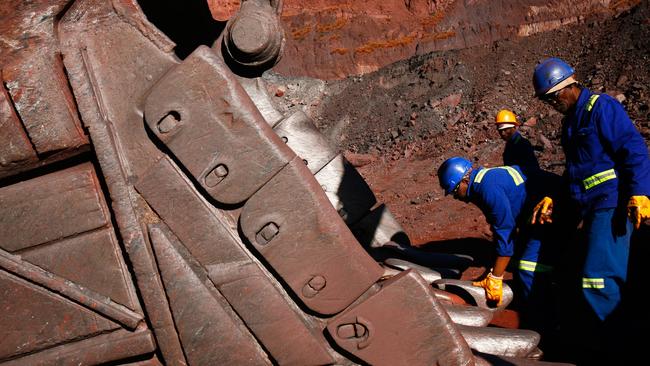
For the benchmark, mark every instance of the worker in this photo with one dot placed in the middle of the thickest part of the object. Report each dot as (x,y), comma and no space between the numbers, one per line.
(518,150)
(607,173)
(504,196)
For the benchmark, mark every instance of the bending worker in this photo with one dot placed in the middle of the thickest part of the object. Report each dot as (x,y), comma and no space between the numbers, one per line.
(502,195)
(518,150)
(607,169)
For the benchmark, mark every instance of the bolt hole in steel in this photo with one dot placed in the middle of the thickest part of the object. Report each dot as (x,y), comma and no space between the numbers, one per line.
(285,139)
(216,175)
(361,330)
(354,330)
(267,233)
(314,286)
(169,122)
(317,283)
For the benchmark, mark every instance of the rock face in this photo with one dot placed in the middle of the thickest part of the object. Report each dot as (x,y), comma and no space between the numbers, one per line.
(331,39)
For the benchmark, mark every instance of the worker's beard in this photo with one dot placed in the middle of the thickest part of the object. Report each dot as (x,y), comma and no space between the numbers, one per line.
(562,108)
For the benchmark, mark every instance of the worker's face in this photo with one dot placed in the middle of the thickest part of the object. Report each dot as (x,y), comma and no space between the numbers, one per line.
(560,100)
(461,191)
(506,133)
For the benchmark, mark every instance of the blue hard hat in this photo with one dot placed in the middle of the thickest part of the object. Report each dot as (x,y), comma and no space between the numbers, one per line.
(451,172)
(549,73)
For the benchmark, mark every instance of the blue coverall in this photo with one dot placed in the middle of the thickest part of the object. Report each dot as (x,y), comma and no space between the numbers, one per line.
(519,151)
(502,194)
(606,163)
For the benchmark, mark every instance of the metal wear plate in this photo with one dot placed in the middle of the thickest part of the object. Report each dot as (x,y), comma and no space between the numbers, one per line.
(294,227)
(211,333)
(211,126)
(15,146)
(69,199)
(273,321)
(402,324)
(188,215)
(28,306)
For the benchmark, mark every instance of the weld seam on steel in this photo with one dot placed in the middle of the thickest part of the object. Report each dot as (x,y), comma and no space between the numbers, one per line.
(70,290)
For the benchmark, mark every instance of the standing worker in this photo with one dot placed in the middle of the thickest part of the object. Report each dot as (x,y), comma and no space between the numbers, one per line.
(607,173)
(502,195)
(518,150)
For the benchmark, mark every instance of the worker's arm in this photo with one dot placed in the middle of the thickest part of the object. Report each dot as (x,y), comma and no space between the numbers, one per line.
(495,205)
(545,189)
(493,282)
(500,266)
(629,152)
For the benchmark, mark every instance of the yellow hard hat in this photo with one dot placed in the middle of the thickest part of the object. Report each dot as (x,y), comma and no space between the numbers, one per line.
(506,119)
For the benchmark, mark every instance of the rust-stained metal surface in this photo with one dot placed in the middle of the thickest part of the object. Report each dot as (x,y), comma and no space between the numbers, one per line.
(387,329)
(37,107)
(472,316)
(213,129)
(427,273)
(197,305)
(338,271)
(66,279)
(201,226)
(500,341)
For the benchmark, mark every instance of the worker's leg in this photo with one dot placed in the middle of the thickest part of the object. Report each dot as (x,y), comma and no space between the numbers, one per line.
(535,273)
(605,269)
(537,259)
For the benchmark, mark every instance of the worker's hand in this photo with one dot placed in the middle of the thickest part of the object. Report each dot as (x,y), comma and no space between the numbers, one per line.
(542,212)
(638,209)
(493,286)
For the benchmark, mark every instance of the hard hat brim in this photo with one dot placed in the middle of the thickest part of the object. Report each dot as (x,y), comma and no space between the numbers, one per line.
(562,84)
(503,126)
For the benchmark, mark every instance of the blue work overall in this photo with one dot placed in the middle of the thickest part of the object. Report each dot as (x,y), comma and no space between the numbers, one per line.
(501,194)
(606,163)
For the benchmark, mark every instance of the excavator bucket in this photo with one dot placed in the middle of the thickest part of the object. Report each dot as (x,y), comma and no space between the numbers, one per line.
(158,210)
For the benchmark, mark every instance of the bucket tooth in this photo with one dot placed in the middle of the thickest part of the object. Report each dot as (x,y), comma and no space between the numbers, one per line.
(473,294)
(501,341)
(468,315)
(428,274)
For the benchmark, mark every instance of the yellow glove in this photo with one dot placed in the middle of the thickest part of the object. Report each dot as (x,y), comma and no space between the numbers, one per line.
(493,286)
(638,209)
(542,212)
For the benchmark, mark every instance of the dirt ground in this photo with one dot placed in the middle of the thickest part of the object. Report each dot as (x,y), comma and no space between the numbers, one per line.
(397,125)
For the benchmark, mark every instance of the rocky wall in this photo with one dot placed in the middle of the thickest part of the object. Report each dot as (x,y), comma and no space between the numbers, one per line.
(332,39)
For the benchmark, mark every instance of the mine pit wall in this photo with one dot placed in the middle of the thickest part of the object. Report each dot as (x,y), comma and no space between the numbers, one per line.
(335,39)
